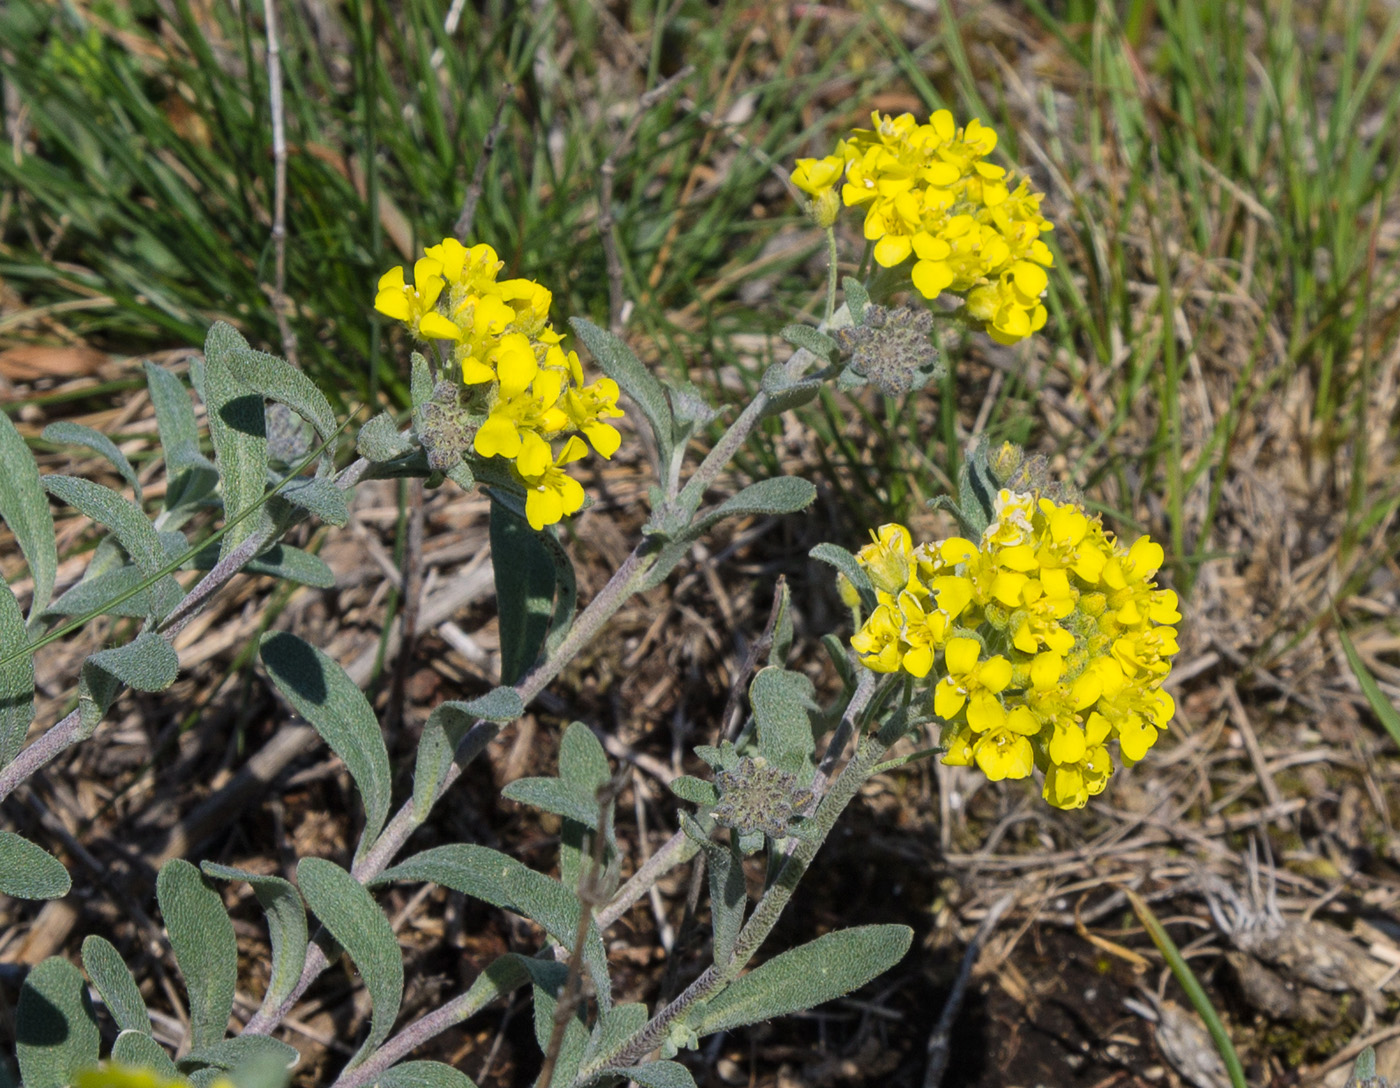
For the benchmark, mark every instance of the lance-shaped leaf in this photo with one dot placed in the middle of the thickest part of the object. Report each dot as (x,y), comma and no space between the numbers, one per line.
(353,918)
(320,692)
(27,872)
(728,894)
(584,770)
(657,1075)
(141,1050)
(380,439)
(614,1028)
(286,926)
(783,703)
(617,361)
(318,496)
(280,561)
(423,1075)
(190,475)
(857,298)
(25,509)
(75,434)
(697,791)
(231,1053)
(773,497)
(525,579)
(146,663)
(556,796)
(447,725)
(278,380)
(846,563)
(238,426)
(503,882)
(566,591)
(55,1027)
(109,974)
(133,532)
(205,948)
(575,1040)
(805,977)
(16,677)
(811,339)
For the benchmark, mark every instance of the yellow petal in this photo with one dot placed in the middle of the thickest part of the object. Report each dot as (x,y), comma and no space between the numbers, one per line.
(392,302)
(995,674)
(434,326)
(891,249)
(960,656)
(534,455)
(543,507)
(498,437)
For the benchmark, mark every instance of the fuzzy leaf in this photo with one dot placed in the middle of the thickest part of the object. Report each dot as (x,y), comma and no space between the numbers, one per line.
(657,1075)
(575,1042)
(805,977)
(27,872)
(728,896)
(16,678)
(810,339)
(525,580)
(557,796)
(206,950)
(99,594)
(503,882)
(231,1053)
(616,360)
(146,663)
(420,381)
(139,1049)
(135,534)
(66,433)
(423,1075)
(857,298)
(320,692)
(846,563)
(25,509)
(619,1024)
(695,790)
(318,496)
(286,926)
(582,761)
(447,725)
(353,918)
(782,703)
(782,627)
(380,440)
(566,591)
(278,380)
(190,475)
(238,426)
(109,974)
(279,561)
(55,1026)
(772,497)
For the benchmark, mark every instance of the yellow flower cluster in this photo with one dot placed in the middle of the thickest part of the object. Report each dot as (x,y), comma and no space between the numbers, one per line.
(512,366)
(1048,637)
(930,194)
(117,1075)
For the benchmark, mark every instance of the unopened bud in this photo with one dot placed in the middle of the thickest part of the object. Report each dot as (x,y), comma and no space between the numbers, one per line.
(824,208)
(892,349)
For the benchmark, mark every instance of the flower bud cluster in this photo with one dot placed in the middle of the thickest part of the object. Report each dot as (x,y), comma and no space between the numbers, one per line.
(516,379)
(929,193)
(1042,641)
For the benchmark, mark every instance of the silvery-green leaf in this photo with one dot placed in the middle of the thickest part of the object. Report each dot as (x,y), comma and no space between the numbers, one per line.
(278,380)
(582,761)
(846,563)
(206,950)
(353,918)
(857,298)
(462,475)
(420,382)
(141,1050)
(286,926)
(695,790)
(556,796)
(614,1028)
(791,397)
(509,972)
(146,663)
(423,1075)
(657,1075)
(851,379)
(840,659)
(55,1026)
(318,496)
(238,426)
(380,440)
(231,1053)
(320,692)
(447,725)
(827,968)
(136,534)
(977,491)
(575,1040)
(27,872)
(783,703)
(113,981)
(262,1069)
(772,497)
(25,509)
(566,591)
(66,433)
(811,339)
(728,896)
(115,592)
(16,677)
(525,580)
(190,475)
(782,627)
(279,561)
(502,881)
(616,360)
(722,758)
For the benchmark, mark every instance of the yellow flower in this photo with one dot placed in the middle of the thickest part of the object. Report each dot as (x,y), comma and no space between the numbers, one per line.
(586,406)
(468,270)
(1004,750)
(816,176)
(517,424)
(414,303)
(485,318)
(889,558)
(877,642)
(117,1075)
(552,494)
(968,678)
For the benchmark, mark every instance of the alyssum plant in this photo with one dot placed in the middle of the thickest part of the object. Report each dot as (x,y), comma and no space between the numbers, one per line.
(1034,640)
